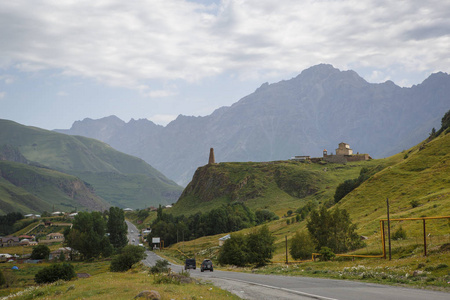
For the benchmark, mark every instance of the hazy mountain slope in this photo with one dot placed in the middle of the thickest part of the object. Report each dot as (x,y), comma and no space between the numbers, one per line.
(302,116)
(30,189)
(92,161)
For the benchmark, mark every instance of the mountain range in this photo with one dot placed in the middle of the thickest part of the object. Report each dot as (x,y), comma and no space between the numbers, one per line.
(316,110)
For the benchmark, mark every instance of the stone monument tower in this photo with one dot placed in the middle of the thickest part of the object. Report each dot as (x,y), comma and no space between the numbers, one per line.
(211,157)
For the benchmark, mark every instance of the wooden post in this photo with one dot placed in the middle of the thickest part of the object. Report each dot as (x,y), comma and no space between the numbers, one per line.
(287,262)
(424,239)
(383,239)
(389,228)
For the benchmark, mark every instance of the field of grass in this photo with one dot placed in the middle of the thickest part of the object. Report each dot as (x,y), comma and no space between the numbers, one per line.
(277,186)
(106,285)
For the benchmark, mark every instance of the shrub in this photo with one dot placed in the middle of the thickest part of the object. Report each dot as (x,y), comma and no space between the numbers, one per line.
(64,271)
(164,279)
(2,278)
(161,266)
(414,203)
(302,246)
(130,255)
(326,254)
(399,234)
(40,252)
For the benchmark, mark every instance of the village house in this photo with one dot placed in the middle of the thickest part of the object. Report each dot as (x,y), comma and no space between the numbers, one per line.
(9,241)
(56,253)
(301,158)
(55,236)
(223,239)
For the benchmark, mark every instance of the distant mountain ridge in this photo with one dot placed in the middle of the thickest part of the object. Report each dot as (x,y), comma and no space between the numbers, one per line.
(302,116)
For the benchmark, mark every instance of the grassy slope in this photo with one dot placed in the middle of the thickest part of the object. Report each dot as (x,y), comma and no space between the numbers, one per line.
(91,160)
(424,177)
(30,189)
(101,285)
(277,186)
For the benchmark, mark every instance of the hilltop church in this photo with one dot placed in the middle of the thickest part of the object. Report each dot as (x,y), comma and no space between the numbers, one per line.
(344,154)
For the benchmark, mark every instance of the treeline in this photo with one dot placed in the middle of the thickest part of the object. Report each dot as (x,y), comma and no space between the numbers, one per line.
(227,218)
(7,223)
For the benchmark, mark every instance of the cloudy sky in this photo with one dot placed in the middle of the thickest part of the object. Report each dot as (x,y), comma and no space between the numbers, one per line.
(65,60)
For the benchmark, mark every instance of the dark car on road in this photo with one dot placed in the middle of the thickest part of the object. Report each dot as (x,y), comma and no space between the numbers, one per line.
(207,265)
(190,264)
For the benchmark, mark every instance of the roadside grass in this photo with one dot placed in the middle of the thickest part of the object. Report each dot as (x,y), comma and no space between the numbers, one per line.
(431,272)
(109,285)
(24,276)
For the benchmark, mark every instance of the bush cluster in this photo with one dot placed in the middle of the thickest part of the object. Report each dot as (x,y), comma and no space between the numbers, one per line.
(161,266)
(55,272)
(129,255)
(255,248)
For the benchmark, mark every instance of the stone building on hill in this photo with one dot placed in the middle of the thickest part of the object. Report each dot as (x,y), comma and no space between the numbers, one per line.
(344,154)
(344,149)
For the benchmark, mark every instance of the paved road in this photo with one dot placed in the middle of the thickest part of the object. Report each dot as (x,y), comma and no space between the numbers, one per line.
(261,287)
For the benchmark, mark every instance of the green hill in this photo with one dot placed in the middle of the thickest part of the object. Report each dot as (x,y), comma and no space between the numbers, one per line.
(278,186)
(30,189)
(120,179)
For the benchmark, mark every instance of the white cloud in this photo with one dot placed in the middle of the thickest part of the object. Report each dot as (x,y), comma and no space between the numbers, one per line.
(2,95)
(160,93)
(62,94)
(126,43)
(8,79)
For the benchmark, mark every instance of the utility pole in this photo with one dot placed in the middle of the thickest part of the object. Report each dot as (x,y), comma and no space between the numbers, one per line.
(389,227)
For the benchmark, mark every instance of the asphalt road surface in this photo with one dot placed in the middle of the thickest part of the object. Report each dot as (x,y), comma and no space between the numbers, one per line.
(261,287)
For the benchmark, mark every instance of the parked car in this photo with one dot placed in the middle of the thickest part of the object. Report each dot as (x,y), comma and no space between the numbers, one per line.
(190,264)
(207,265)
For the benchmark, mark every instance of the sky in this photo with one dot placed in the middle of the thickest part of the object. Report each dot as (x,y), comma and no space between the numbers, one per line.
(66,60)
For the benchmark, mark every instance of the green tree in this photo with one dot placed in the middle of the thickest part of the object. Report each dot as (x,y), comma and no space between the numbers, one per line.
(62,256)
(55,272)
(40,252)
(302,246)
(127,258)
(117,228)
(264,215)
(445,123)
(88,235)
(333,229)
(260,246)
(233,251)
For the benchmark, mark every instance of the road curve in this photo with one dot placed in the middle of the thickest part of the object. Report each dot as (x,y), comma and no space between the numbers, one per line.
(261,287)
